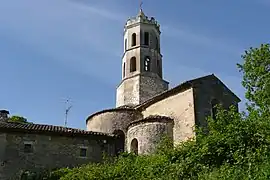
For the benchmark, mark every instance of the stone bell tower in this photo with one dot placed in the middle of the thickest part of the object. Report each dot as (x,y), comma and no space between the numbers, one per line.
(141,62)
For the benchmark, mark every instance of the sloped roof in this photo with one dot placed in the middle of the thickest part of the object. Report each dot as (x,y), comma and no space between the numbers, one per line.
(42,128)
(181,87)
(151,118)
(117,109)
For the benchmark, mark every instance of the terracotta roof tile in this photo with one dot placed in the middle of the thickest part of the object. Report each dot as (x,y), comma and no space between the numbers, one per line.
(151,118)
(42,128)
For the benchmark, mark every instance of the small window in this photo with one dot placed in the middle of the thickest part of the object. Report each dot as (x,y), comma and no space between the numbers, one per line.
(157,44)
(28,148)
(146,38)
(133,64)
(158,68)
(83,152)
(133,42)
(147,63)
(125,44)
(124,70)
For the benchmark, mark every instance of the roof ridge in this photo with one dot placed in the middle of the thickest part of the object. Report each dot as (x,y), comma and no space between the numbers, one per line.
(171,91)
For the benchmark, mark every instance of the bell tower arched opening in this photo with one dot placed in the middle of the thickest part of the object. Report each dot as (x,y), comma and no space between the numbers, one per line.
(142,51)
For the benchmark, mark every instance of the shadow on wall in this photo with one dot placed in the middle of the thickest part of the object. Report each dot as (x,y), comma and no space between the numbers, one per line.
(120,142)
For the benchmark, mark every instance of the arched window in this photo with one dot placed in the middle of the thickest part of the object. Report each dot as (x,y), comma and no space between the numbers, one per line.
(125,44)
(124,70)
(214,104)
(133,64)
(134,146)
(147,63)
(133,42)
(146,38)
(120,143)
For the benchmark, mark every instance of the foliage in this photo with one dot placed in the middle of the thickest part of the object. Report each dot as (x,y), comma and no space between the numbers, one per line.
(235,145)
(18,119)
(256,77)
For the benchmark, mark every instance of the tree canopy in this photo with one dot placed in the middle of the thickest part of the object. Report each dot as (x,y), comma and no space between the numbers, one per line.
(236,145)
(256,77)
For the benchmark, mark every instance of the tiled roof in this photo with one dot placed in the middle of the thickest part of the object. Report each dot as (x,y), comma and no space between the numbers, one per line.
(121,108)
(42,128)
(151,118)
(179,88)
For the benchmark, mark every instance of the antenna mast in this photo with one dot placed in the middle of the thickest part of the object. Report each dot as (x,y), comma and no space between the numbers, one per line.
(68,107)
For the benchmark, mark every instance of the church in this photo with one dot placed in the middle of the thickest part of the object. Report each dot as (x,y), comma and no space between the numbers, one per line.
(146,110)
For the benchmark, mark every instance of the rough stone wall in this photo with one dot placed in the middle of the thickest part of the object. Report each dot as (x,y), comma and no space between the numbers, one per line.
(148,135)
(2,148)
(205,92)
(128,92)
(179,107)
(150,86)
(139,88)
(155,56)
(48,152)
(110,121)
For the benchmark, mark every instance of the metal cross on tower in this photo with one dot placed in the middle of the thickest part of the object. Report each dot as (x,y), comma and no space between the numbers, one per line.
(141,3)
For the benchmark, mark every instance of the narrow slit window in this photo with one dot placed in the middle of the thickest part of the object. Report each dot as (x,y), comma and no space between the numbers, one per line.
(125,44)
(133,39)
(158,68)
(133,64)
(124,70)
(157,44)
(146,38)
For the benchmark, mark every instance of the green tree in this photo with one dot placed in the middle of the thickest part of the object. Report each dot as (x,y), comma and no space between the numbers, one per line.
(18,119)
(235,146)
(256,77)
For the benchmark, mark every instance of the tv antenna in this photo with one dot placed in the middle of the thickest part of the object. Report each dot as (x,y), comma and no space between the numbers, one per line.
(68,107)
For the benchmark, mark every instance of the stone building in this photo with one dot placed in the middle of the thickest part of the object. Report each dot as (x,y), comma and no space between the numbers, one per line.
(38,147)
(146,110)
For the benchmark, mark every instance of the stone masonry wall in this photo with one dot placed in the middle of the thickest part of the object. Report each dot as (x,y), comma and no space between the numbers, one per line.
(48,152)
(150,86)
(179,107)
(128,92)
(205,93)
(140,88)
(148,135)
(110,121)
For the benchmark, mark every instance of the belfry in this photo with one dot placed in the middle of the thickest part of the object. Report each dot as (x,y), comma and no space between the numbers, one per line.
(142,76)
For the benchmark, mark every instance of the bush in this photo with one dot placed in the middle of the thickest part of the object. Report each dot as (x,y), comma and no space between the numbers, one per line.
(235,147)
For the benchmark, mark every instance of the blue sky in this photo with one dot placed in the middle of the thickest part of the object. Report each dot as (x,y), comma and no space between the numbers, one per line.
(54,49)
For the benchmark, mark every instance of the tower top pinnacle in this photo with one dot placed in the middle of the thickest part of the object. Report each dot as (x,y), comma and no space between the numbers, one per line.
(141,18)
(141,3)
